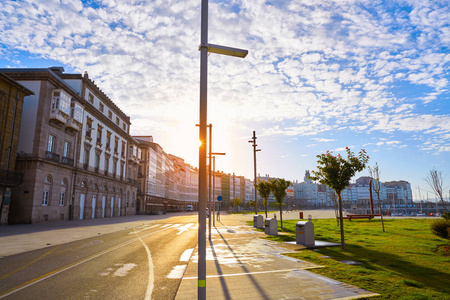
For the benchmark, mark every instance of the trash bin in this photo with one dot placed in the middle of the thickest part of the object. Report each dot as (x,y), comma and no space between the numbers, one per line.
(304,233)
(271,226)
(258,221)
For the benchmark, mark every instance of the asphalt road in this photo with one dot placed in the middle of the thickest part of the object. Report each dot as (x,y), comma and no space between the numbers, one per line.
(145,262)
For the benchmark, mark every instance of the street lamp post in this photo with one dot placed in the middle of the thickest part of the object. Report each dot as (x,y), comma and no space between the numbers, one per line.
(254,167)
(204,48)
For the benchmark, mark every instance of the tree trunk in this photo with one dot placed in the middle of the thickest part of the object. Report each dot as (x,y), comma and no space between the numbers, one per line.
(265,205)
(341,219)
(281,216)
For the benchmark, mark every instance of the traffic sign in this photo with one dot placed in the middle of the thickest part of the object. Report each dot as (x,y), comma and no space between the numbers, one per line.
(219,198)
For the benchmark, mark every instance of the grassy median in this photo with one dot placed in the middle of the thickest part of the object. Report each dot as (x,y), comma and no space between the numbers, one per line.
(405,262)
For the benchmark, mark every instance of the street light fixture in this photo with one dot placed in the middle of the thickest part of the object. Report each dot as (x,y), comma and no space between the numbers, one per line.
(202,178)
(254,167)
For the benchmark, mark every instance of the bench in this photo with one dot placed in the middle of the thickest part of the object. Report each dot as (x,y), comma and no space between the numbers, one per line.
(370,217)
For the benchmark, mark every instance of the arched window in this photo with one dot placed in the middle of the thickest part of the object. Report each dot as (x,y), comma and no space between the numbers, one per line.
(84,184)
(113,189)
(105,188)
(48,179)
(120,191)
(95,186)
(64,181)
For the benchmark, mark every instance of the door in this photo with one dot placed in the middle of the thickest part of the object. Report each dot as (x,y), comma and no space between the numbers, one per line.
(103,206)
(119,205)
(82,206)
(112,207)
(94,200)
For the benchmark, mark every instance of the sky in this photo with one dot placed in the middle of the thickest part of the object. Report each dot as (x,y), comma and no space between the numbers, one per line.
(320,75)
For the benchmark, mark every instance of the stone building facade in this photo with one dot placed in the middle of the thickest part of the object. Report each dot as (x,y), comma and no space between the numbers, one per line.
(12,94)
(72,150)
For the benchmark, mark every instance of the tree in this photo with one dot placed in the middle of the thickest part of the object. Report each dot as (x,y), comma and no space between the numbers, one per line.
(336,172)
(436,182)
(278,188)
(263,189)
(375,174)
(235,203)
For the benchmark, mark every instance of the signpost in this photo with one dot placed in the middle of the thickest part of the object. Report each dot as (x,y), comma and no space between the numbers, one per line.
(219,198)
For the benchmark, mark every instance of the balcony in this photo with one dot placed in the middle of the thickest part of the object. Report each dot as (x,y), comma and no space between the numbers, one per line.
(58,116)
(73,125)
(52,156)
(132,181)
(67,161)
(10,178)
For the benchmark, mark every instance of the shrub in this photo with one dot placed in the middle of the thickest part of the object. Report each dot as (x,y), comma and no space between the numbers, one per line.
(440,228)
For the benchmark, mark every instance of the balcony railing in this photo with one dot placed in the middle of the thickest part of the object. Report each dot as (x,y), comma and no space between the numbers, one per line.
(10,178)
(67,161)
(52,156)
(58,116)
(73,124)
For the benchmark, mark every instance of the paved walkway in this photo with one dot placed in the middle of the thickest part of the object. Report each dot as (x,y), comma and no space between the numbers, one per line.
(241,265)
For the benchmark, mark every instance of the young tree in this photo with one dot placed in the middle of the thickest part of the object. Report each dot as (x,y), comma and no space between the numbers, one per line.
(375,174)
(436,182)
(278,188)
(263,189)
(336,172)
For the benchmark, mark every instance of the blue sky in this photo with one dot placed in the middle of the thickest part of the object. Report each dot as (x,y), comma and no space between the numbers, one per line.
(320,75)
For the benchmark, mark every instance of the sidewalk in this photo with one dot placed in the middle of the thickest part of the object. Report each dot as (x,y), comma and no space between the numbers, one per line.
(241,265)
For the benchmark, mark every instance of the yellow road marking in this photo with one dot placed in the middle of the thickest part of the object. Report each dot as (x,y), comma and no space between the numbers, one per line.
(30,263)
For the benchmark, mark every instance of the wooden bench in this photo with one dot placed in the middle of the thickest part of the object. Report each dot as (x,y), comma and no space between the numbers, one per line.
(370,217)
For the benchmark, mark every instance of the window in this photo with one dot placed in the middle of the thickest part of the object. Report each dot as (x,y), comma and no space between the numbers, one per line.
(91,98)
(55,100)
(108,140)
(64,182)
(123,149)
(101,107)
(106,165)
(99,133)
(114,170)
(97,161)
(48,179)
(86,159)
(88,127)
(116,145)
(109,114)
(66,149)
(117,121)
(45,197)
(51,143)
(84,184)
(62,197)
(124,126)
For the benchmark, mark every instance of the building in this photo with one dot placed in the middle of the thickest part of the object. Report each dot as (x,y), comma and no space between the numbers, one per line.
(167,183)
(12,95)
(72,150)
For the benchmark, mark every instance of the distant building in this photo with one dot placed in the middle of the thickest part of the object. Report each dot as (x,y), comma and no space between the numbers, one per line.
(12,96)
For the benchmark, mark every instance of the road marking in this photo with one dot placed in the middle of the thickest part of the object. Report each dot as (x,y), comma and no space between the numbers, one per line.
(177,272)
(30,263)
(184,228)
(148,293)
(166,225)
(58,271)
(175,225)
(243,274)
(145,228)
(186,255)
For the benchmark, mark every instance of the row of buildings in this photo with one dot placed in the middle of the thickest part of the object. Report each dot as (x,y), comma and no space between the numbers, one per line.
(67,153)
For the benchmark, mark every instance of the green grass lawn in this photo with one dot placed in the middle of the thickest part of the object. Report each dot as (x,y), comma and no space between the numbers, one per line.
(405,262)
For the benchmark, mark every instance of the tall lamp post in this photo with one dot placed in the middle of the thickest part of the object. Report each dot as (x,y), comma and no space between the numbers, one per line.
(254,167)
(204,48)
